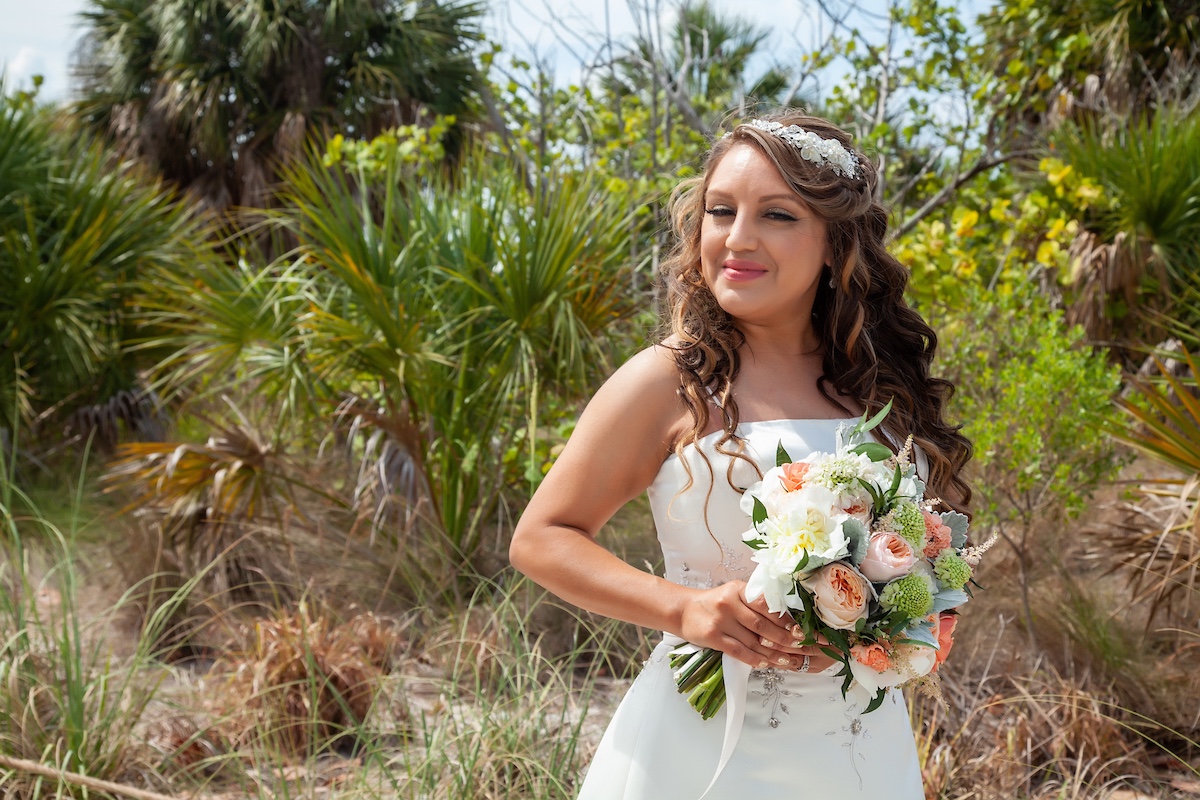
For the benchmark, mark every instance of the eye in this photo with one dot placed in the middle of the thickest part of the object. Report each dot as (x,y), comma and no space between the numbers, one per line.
(780,214)
(719,211)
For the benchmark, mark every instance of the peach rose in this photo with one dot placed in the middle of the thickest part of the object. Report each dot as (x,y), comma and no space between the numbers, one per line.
(840,595)
(937,535)
(792,475)
(945,634)
(889,555)
(858,509)
(872,655)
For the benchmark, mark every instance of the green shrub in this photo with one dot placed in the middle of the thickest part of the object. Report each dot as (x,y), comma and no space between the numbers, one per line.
(1032,396)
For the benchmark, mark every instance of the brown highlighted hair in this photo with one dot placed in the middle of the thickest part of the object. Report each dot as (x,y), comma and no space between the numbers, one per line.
(876,347)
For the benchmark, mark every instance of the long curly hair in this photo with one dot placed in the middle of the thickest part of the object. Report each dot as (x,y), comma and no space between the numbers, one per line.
(876,347)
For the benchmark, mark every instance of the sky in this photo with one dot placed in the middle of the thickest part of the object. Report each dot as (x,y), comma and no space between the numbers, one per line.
(39,36)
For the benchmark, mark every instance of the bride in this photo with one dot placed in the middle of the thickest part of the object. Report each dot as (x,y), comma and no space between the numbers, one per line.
(786,319)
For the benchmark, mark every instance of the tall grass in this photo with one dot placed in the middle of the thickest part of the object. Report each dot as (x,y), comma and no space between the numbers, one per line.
(469,704)
(65,702)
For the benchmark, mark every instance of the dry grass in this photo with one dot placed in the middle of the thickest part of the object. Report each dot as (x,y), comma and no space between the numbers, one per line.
(483,687)
(303,683)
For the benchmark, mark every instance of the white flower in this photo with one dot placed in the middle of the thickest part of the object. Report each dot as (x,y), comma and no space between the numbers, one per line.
(788,536)
(842,473)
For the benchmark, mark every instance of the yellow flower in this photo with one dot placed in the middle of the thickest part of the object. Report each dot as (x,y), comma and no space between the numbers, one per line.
(1047,252)
(966,224)
(937,241)
(1088,192)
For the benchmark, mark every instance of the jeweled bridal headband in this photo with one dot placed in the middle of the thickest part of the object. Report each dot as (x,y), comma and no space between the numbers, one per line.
(822,152)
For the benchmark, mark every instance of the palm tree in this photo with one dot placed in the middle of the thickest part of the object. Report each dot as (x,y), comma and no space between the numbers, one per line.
(75,232)
(705,71)
(1141,252)
(213,93)
(438,313)
(1056,57)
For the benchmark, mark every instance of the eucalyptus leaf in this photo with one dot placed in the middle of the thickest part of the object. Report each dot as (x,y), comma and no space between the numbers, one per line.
(857,536)
(948,599)
(957,523)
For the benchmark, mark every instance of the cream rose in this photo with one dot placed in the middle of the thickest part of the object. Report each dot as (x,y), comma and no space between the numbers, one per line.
(889,556)
(841,595)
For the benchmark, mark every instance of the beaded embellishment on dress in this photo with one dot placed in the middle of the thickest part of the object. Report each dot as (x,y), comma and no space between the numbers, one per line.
(773,692)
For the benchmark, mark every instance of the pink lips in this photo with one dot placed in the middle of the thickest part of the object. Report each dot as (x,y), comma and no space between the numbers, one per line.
(737,270)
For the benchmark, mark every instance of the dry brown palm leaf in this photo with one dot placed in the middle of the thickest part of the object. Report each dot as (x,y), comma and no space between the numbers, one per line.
(236,475)
(1157,544)
(390,485)
(1158,541)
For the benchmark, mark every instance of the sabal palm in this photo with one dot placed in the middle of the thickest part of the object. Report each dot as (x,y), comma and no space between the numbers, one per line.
(213,92)
(1147,243)
(447,304)
(75,231)
(709,56)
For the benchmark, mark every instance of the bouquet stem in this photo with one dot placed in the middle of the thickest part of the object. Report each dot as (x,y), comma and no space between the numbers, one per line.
(699,675)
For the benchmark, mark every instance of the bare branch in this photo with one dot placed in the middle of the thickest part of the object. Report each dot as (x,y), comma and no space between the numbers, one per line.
(949,190)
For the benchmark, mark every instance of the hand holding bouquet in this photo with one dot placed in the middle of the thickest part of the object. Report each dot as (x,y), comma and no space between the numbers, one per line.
(848,545)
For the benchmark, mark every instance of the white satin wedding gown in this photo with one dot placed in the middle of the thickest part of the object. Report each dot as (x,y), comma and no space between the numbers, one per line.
(799,738)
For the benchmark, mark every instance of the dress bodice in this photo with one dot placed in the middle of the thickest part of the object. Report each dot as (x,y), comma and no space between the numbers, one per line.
(780,735)
(700,529)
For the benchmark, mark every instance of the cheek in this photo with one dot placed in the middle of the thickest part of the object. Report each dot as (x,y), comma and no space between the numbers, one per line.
(710,245)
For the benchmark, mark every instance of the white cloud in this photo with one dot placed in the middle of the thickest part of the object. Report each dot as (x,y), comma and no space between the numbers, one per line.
(26,63)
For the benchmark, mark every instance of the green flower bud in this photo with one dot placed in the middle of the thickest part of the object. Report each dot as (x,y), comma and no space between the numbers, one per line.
(907,520)
(909,595)
(951,570)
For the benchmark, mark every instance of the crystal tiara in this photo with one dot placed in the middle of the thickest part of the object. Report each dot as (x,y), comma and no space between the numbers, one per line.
(822,152)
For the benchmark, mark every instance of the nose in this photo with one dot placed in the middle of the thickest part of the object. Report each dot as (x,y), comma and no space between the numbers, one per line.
(743,233)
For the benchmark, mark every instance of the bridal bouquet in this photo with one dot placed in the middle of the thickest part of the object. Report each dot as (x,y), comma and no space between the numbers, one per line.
(848,545)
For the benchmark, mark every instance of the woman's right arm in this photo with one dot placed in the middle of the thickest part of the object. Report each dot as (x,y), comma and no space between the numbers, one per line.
(615,452)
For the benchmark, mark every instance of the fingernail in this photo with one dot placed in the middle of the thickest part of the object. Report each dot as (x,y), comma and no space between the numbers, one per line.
(765,642)
(796,630)
(797,643)
(783,662)
(762,664)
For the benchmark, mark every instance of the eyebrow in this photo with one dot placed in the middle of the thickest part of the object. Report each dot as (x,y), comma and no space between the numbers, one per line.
(763,199)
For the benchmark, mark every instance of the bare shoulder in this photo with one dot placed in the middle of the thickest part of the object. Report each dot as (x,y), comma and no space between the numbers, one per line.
(642,396)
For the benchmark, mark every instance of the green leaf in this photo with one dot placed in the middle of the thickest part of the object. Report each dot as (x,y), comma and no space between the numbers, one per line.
(872,450)
(837,639)
(876,702)
(781,456)
(895,482)
(759,515)
(866,425)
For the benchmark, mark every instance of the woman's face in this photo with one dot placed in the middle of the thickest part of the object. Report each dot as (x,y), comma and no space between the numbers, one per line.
(761,248)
